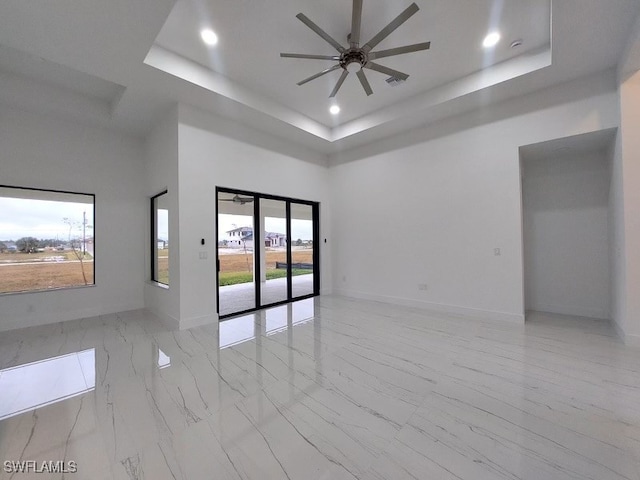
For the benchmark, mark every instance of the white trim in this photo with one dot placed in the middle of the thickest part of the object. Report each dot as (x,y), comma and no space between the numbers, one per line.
(192,322)
(630,340)
(573,311)
(164,286)
(42,290)
(49,317)
(619,330)
(438,307)
(166,319)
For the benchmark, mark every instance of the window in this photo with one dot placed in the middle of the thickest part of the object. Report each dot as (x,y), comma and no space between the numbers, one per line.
(160,238)
(46,239)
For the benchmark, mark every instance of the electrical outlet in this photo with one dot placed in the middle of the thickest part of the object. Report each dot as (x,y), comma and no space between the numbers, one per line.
(423,287)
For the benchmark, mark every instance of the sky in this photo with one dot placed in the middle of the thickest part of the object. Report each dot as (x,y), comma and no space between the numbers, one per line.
(163,224)
(21,217)
(44,219)
(302,229)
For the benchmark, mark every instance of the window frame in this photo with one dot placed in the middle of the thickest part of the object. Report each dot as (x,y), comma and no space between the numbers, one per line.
(65,192)
(315,205)
(154,239)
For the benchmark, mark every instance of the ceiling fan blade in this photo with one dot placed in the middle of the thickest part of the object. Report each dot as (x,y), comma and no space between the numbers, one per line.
(386,31)
(365,83)
(356,21)
(386,70)
(310,57)
(304,19)
(313,77)
(399,50)
(341,80)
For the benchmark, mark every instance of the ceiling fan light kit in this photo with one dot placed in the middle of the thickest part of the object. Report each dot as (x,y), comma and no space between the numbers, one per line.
(356,58)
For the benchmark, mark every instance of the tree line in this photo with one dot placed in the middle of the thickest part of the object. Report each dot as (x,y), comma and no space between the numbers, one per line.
(31,244)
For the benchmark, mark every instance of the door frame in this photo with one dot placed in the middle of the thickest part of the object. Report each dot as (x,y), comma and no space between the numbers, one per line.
(256,251)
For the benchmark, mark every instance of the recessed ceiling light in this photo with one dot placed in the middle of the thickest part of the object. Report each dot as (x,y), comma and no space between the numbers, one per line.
(491,40)
(334,110)
(209,37)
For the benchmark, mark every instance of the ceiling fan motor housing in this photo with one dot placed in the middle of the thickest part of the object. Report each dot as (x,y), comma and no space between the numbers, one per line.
(353,56)
(356,58)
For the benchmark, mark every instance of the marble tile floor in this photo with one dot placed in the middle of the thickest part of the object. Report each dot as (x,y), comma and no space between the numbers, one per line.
(327,388)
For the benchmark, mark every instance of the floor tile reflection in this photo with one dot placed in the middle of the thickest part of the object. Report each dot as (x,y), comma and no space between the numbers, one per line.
(326,388)
(34,385)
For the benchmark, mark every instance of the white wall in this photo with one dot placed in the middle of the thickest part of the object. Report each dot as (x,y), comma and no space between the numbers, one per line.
(161,173)
(616,237)
(452,192)
(629,161)
(215,152)
(625,196)
(50,153)
(566,234)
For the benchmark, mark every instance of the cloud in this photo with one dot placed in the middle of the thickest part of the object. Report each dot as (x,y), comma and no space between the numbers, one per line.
(21,217)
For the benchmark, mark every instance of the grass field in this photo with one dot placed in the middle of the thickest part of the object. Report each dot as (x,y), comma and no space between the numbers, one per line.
(233,278)
(163,266)
(40,275)
(238,268)
(43,276)
(238,262)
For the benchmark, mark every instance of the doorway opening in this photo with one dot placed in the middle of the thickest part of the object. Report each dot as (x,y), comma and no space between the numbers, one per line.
(566,216)
(267,251)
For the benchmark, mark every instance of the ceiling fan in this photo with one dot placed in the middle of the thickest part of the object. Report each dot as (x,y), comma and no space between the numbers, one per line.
(355,58)
(238,199)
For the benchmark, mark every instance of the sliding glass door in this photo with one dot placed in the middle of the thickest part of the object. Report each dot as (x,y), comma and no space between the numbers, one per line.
(273,249)
(302,249)
(267,250)
(236,260)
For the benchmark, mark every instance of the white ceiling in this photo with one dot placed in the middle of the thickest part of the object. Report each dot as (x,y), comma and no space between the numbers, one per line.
(140,57)
(601,140)
(252,35)
(25,66)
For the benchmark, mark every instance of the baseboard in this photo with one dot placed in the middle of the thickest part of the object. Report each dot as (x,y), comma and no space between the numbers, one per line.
(167,320)
(193,322)
(628,339)
(619,331)
(436,307)
(185,323)
(571,311)
(67,316)
(631,340)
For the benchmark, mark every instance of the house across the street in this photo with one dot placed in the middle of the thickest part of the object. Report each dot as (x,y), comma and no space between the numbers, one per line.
(239,237)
